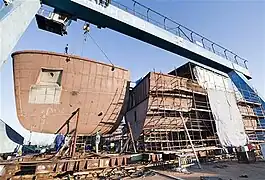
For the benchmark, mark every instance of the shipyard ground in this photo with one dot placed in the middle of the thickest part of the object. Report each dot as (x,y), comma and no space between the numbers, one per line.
(229,170)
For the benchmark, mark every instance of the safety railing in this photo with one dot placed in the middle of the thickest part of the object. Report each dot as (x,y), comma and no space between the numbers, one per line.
(170,25)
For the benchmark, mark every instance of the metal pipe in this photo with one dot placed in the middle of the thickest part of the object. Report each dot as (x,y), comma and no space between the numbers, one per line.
(203,43)
(245,62)
(66,122)
(225,53)
(236,59)
(178,31)
(191,37)
(75,134)
(149,8)
(213,47)
(165,18)
(184,34)
(148,14)
(134,7)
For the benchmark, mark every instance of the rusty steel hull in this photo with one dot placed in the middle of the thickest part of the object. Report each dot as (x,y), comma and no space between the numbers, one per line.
(50,86)
(155,96)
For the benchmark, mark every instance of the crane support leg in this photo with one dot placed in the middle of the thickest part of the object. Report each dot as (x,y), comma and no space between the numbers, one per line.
(14,20)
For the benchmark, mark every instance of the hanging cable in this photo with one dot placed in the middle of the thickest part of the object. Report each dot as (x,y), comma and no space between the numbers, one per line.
(86,29)
(83,43)
(102,51)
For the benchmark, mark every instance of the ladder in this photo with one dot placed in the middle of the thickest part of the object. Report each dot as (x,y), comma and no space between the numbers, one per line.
(188,134)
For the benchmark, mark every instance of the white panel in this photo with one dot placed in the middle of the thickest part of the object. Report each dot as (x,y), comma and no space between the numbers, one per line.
(32,96)
(44,94)
(57,96)
(47,90)
(40,99)
(49,99)
(40,90)
(50,91)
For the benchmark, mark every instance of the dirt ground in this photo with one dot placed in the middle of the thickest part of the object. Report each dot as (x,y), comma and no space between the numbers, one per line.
(223,170)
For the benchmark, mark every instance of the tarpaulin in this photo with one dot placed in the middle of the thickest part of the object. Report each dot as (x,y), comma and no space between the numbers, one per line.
(7,139)
(228,120)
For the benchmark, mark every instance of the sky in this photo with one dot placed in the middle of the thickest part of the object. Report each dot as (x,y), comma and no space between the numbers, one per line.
(236,25)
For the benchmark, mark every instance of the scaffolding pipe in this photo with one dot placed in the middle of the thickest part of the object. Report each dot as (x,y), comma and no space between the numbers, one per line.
(186,129)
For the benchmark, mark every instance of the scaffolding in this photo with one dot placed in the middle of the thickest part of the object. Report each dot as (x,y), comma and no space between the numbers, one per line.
(252,110)
(117,138)
(176,100)
(180,92)
(169,97)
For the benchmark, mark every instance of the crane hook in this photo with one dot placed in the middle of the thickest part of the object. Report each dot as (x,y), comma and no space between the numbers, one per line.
(86,28)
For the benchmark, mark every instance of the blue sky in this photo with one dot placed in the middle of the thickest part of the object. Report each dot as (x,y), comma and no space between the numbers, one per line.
(237,25)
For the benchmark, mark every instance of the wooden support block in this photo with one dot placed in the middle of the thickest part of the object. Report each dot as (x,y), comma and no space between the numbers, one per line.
(104,162)
(113,162)
(71,166)
(119,161)
(92,163)
(82,164)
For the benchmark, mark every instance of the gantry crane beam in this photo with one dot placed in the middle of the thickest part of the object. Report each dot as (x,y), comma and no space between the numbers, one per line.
(15,18)
(127,23)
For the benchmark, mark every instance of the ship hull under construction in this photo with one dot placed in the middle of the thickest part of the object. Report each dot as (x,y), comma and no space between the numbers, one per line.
(49,87)
(155,112)
(192,106)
